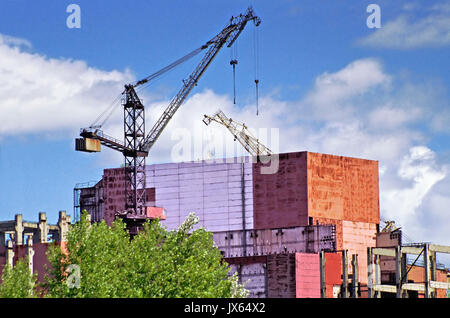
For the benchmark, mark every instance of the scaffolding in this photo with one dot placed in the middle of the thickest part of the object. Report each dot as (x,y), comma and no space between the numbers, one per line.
(428,253)
(92,196)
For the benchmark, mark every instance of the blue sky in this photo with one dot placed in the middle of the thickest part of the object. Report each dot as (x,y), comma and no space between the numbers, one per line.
(327,82)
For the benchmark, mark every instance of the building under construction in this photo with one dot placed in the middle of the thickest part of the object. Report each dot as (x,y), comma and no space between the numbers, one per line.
(23,238)
(306,230)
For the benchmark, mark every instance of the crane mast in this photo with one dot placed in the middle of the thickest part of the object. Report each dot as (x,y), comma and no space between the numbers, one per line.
(240,133)
(137,143)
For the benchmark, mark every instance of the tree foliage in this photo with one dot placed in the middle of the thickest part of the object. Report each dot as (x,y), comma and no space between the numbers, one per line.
(17,281)
(156,263)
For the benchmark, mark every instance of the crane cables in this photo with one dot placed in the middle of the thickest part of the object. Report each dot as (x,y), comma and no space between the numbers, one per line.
(169,67)
(256,56)
(110,109)
(234,62)
(108,112)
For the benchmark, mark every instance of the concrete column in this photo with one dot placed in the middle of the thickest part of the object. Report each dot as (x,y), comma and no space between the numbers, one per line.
(63,226)
(344,290)
(18,228)
(323,286)
(43,227)
(433,271)
(355,280)
(30,253)
(426,260)
(369,273)
(398,272)
(404,273)
(377,275)
(10,254)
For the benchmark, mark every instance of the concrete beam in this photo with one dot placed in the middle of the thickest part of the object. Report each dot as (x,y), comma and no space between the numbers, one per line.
(411,250)
(386,288)
(412,286)
(439,248)
(383,251)
(409,286)
(29,225)
(439,285)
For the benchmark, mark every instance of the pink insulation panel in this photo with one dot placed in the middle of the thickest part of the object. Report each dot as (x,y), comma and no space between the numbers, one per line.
(356,237)
(307,273)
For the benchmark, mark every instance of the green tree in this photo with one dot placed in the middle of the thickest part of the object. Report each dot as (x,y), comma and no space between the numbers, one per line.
(18,281)
(156,263)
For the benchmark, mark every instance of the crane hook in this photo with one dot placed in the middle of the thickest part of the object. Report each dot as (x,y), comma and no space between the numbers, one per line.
(233,63)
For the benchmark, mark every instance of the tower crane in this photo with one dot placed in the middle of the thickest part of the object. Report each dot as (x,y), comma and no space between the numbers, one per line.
(137,143)
(240,133)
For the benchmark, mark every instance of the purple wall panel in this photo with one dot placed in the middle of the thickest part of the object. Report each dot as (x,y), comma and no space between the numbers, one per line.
(212,190)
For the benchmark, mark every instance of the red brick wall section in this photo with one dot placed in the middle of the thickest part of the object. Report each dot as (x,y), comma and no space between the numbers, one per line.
(343,188)
(417,275)
(307,272)
(333,272)
(280,199)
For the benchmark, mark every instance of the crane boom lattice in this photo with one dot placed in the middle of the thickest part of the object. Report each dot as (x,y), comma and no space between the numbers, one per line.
(240,133)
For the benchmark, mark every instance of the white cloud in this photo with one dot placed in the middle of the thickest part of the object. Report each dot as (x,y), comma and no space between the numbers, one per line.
(408,32)
(41,94)
(332,91)
(14,41)
(390,117)
(405,203)
(358,110)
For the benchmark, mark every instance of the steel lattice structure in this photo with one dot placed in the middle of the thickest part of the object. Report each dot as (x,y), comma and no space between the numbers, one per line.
(137,143)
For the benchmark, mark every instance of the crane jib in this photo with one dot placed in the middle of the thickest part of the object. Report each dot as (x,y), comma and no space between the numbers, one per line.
(228,35)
